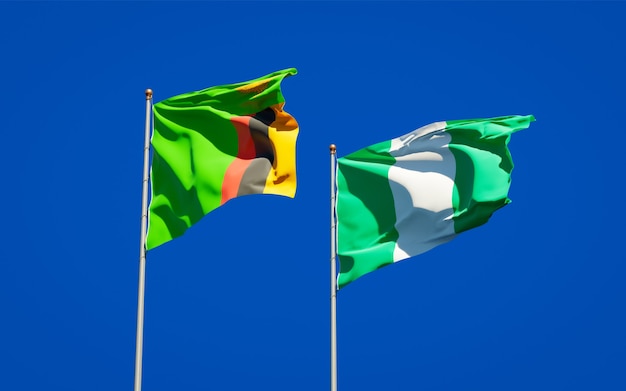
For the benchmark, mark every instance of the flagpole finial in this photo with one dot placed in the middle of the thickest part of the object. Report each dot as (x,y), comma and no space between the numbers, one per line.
(148,94)
(333,148)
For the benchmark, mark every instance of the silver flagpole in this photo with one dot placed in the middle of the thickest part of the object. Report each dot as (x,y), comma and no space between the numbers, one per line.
(142,246)
(333,273)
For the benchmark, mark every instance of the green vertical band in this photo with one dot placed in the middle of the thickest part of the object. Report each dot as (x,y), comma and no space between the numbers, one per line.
(483,167)
(365,212)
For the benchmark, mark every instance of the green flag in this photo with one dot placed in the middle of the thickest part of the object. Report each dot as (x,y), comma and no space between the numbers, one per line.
(402,197)
(212,145)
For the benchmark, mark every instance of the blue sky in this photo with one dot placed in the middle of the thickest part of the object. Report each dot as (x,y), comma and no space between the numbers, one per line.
(533,300)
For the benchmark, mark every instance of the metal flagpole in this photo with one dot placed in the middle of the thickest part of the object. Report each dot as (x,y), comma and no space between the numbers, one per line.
(142,246)
(333,273)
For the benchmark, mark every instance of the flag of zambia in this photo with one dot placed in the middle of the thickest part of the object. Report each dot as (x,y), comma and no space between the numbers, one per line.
(216,144)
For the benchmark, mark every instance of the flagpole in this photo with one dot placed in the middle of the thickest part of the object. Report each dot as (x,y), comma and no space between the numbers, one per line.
(142,246)
(333,273)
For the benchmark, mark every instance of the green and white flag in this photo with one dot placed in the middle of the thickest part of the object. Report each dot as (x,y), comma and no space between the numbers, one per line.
(402,197)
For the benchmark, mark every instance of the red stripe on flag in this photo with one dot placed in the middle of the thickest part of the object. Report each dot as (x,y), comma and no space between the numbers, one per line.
(246,144)
(232,178)
(245,153)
